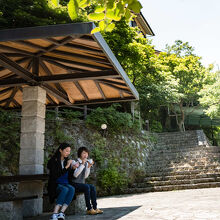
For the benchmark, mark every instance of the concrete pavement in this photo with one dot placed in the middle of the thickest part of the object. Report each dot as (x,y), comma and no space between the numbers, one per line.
(199,204)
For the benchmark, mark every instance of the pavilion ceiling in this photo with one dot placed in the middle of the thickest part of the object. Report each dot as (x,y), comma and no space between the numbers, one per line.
(73,66)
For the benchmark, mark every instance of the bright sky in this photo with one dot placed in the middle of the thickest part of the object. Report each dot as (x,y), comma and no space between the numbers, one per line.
(195,21)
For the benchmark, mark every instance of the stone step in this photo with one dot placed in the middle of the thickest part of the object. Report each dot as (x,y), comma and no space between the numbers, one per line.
(176,139)
(191,149)
(177,133)
(182,177)
(184,144)
(181,168)
(175,182)
(184,172)
(180,163)
(172,187)
(172,156)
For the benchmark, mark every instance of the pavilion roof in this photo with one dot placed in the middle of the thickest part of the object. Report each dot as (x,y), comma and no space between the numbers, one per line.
(72,65)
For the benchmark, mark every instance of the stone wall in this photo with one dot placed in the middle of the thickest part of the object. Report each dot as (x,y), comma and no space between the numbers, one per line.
(126,152)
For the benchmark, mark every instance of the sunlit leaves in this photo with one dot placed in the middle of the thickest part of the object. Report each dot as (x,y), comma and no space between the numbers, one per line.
(55,2)
(96,16)
(73,9)
(99,9)
(105,12)
(97,29)
(135,6)
(110,27)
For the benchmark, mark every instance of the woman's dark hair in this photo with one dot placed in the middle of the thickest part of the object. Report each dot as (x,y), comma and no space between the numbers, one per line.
(81,149)
(61,147)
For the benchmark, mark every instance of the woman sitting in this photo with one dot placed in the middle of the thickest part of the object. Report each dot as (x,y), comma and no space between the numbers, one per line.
(78,180)
(58,185)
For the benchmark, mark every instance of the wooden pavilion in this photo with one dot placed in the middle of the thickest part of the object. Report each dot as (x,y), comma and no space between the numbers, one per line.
(52,66)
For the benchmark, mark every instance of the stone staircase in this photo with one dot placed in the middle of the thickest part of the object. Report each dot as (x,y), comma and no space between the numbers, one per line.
(180,160)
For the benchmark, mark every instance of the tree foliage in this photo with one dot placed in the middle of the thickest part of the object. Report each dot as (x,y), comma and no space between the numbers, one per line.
(104,11)
(186,77)
(27,13)
(210,96)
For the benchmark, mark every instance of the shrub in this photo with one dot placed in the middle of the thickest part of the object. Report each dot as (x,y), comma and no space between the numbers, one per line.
(116,121)
(155,126)
(111,180)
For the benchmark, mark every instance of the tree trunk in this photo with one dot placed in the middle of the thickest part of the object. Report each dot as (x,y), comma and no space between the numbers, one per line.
(180,122)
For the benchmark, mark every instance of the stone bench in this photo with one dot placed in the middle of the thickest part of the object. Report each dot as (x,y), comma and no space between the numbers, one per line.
(77,206)
(11,206)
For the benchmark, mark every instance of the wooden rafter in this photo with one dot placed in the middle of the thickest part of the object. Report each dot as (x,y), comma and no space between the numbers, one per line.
(81,64)
(4,100)
(84,57)
(5,90)
(12,49)
(81,90)
(85,49)
(98,101)
(100,89)
(35,66)
(32,45)
(54,46)
(50,99)
(22,60)
(93,75)
(112,82)
(59,95)
(15,102)
(11,97)
(51,61)
(48,72)
(17,69)
(30,78)
(118,88)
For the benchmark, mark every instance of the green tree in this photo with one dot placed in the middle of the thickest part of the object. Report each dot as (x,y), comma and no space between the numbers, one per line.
(185,76)
(210,96)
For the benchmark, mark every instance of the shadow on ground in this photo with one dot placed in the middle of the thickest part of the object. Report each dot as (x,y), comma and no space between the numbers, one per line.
(109,214)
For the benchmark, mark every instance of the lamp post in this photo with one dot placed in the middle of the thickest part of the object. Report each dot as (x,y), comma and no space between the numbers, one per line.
(104,127)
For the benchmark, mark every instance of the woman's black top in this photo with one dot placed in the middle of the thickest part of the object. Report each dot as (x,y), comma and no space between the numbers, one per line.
(56,171)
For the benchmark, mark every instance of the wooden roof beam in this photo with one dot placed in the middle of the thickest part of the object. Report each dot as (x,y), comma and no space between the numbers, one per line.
(81,90)
(98,101)
(118,88)
(93,75)
(100,89)
(12,49)
(5,90)
(83,64)
(48,72)
(17,69)
(30,78)
(11,97)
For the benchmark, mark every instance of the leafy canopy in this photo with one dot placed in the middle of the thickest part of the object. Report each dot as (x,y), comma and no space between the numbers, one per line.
(210,96)
(104,11)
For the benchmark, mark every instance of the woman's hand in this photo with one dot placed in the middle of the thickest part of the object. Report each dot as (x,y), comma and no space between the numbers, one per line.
(90,164)
(69,162)
(76,165)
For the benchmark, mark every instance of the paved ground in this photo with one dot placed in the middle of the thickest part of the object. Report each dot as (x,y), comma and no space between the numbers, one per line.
(200,204)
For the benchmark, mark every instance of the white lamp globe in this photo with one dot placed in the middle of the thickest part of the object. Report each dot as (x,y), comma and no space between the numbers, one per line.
(103,126)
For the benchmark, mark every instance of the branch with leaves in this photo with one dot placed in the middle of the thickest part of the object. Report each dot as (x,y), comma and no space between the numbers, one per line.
(105,12)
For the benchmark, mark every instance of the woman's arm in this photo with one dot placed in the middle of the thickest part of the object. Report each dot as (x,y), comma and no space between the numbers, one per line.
(87,171)
(78,170)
